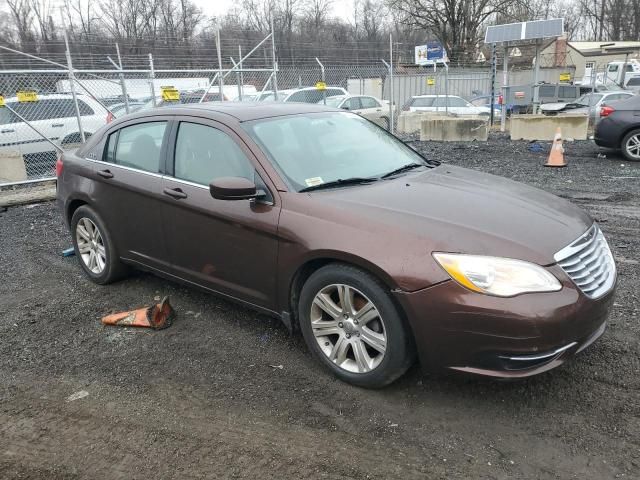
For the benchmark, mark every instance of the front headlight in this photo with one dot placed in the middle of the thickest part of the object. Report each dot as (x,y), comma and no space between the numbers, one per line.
(503,277)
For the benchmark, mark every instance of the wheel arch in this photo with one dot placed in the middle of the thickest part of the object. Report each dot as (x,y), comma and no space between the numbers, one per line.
(322,259)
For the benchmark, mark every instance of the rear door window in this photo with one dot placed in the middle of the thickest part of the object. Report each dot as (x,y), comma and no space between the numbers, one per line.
(137,146)
(204,153)
(369,102)
(354,103)
(51,108)
(423,102)
(457,102)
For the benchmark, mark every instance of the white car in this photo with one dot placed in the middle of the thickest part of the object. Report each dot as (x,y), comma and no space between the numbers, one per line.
(54,115)
(446,103)
(309,94)
(372,107)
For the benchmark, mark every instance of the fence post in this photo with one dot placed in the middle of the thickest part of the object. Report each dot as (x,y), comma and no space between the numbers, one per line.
(493,83)
(536,73)
(241,73)
(122,82)
(505,83)
(275,62)
(220,79)
(391,88)
(73,87)
(152,76)
(324,92)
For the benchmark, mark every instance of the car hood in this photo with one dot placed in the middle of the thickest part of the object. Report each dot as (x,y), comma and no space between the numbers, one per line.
(460,210)
(553,107)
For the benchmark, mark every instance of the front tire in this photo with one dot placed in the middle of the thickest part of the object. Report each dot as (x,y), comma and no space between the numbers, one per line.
(94,248)
(631,146)
(351,324)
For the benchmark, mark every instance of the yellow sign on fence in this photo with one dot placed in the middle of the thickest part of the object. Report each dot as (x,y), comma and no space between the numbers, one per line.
(170,94)
(321,86)
(431,81)
(565,77)
(27,96)
(1,101)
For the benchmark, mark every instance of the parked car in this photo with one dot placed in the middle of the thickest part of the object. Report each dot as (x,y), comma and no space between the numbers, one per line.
(619,127)
(588,104)
(442,103)
(633,84)
(372,107)
(309,94)
(316,216)
(119,109)
(52,114)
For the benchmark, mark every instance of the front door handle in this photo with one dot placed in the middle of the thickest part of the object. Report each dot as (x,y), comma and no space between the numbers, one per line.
(176,193)
(57,125)
(105,173)
(7,130)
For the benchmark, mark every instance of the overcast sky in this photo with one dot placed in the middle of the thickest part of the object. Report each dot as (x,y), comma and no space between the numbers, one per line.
(220,7)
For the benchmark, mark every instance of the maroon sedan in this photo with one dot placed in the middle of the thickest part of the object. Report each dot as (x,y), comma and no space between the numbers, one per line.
(326,221)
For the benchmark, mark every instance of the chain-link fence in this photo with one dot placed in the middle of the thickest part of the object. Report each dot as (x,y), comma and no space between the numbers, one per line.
(40,117)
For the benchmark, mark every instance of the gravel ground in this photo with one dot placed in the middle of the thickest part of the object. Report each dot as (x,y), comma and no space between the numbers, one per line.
(207,398)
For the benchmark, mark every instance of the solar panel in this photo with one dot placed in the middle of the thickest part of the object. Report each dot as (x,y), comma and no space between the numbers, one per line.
(503,33)
(512,32)
(544,28)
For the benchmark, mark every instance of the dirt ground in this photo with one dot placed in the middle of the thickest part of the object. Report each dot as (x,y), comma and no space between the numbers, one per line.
(226,393)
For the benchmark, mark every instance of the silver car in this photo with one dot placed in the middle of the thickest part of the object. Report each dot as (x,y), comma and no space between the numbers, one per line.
(588,104)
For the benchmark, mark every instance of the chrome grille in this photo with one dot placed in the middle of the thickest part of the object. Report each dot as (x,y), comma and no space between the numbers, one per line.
(589,263)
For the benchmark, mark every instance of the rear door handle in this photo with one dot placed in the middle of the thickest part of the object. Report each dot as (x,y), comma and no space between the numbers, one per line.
(105,173)
(57,125)
(7,130)
(176,193)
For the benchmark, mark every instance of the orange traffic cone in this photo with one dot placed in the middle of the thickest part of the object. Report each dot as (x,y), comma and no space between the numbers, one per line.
(157,317)
(556,155)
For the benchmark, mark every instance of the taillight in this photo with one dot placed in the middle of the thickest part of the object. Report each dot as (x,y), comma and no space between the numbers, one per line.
(606,111)
(110,117)
(500,99)
(59,166)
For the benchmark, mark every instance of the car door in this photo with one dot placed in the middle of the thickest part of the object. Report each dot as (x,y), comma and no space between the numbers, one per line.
(226,246)
(128,189)
(370,106)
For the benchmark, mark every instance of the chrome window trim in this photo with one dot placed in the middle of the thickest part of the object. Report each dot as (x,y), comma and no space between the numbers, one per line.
(131,169)
(186,182)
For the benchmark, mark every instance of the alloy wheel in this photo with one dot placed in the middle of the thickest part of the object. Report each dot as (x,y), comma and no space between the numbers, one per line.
(91,246)
(633,146)
(348,328)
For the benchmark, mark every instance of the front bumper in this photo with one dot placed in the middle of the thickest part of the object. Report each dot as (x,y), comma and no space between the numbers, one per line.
(457,329)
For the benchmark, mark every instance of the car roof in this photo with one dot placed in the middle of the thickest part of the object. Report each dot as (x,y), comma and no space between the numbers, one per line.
(241,111)
(434,96)
(47,96)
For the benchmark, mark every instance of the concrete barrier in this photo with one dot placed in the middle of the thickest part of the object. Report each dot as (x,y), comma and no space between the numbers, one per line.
(12,168)
(409,122)
(454,129)
(543,127)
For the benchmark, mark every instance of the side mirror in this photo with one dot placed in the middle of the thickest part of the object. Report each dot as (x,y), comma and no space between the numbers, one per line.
(233,188)
(345,107)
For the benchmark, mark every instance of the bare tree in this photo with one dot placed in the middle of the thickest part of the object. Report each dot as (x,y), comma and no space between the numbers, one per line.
(456,23)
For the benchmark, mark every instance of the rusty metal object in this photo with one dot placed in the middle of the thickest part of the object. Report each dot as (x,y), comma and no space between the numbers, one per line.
(157,317)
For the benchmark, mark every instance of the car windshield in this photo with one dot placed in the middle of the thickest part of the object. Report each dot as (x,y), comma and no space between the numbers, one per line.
(589,99)
(315,149)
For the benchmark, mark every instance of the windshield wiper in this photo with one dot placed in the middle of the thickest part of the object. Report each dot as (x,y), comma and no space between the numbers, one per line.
(402,169)
(340,182)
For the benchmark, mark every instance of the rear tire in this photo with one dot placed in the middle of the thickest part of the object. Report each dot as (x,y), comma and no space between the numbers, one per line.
(94,247)
(631,146)
(351,324)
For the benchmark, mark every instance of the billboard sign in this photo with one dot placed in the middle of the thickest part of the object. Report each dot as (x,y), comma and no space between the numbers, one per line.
(432,52)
